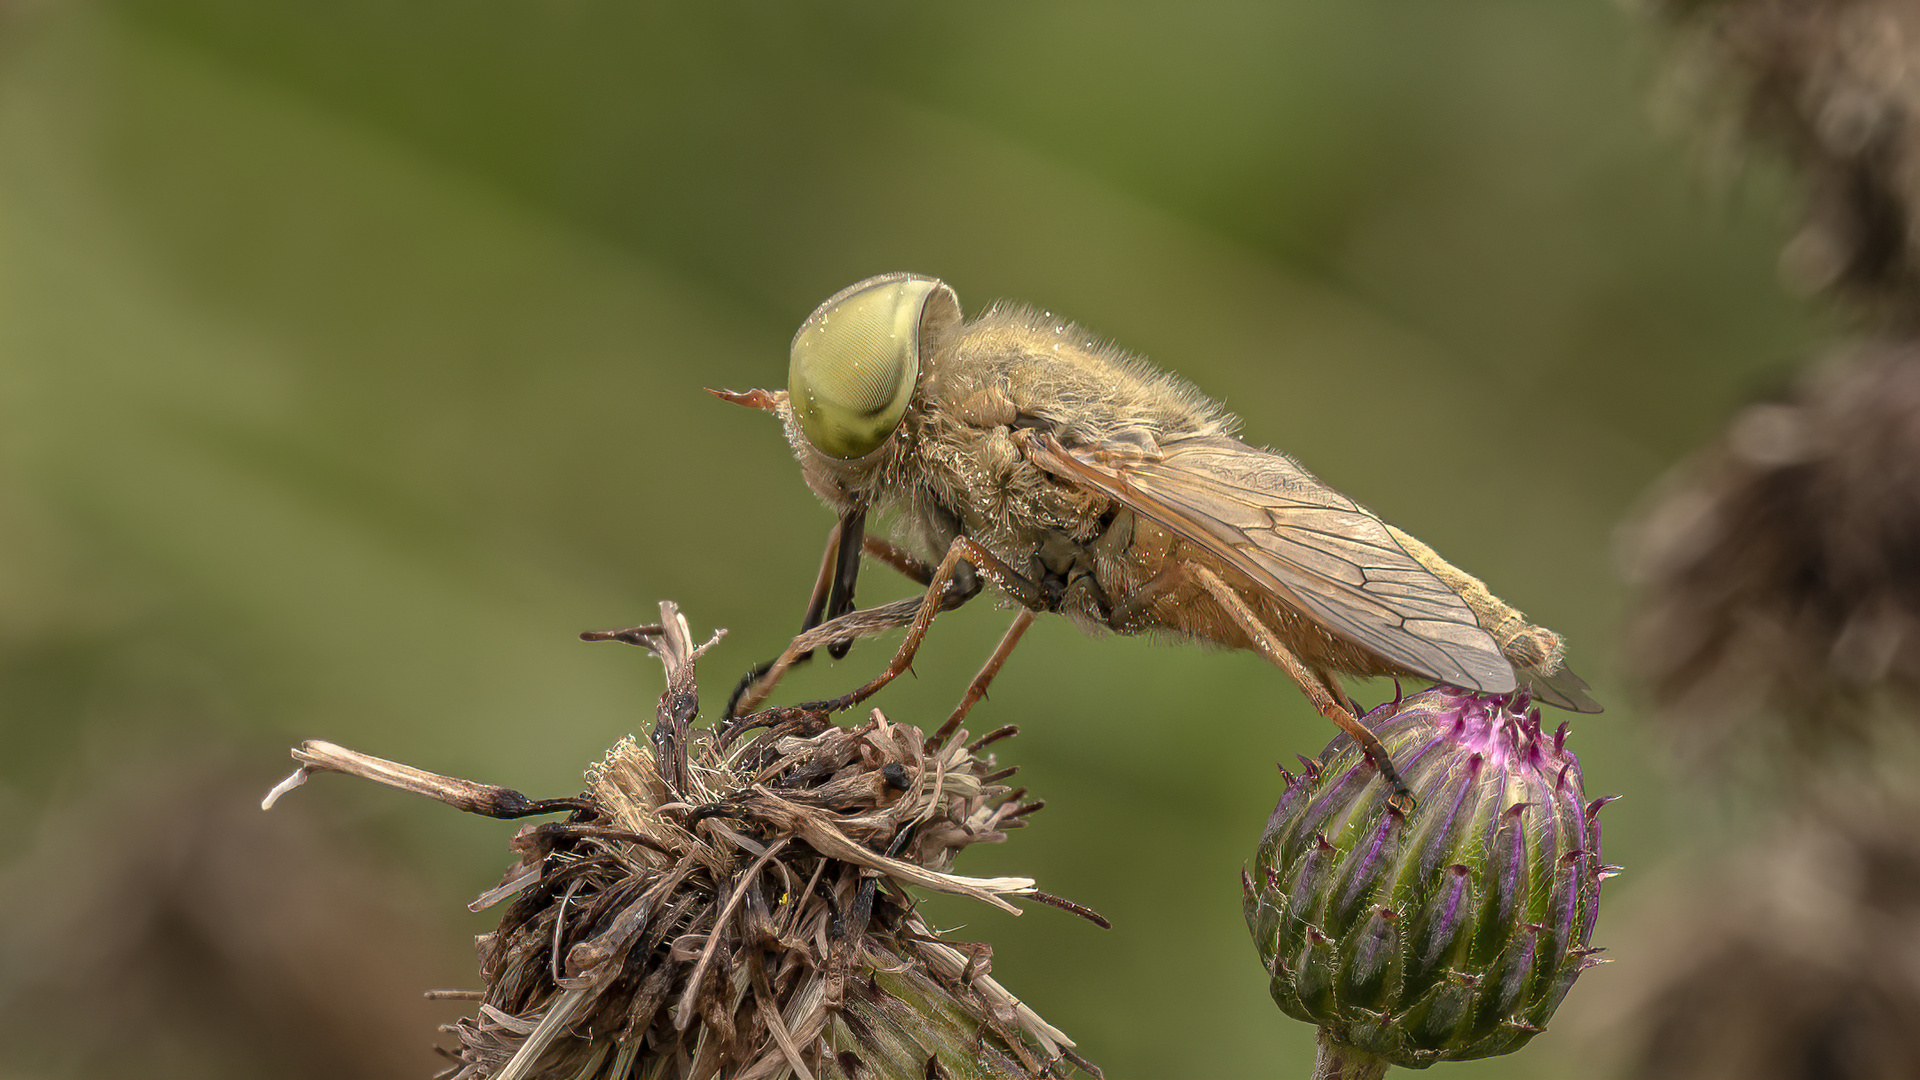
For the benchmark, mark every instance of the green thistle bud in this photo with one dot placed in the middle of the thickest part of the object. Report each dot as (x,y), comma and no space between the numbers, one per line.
(1449,933)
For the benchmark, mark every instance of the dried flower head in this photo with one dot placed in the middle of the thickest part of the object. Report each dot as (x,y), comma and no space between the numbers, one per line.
(1449,933)
(719,905)
(1836,85)
(1779,571)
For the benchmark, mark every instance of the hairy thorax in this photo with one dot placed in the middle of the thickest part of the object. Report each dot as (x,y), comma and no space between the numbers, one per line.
(1016,368)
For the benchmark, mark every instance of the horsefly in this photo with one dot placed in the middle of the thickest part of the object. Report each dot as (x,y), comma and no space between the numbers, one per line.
(1080,480)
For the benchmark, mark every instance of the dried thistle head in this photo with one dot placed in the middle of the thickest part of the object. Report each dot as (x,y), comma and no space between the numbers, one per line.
(753,919)
(1835,84)
(732,902)
(1779,571)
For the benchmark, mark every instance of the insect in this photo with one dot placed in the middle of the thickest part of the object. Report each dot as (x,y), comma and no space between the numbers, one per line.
(1080,480)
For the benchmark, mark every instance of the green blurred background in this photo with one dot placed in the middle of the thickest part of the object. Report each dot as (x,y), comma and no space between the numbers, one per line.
(351,358)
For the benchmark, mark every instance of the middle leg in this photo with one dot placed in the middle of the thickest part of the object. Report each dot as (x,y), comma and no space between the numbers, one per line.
(977,689)
(840,629)
(963,552)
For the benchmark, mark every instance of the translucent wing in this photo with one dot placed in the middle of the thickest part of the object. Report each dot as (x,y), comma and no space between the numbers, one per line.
(1314,548)
(1562,689)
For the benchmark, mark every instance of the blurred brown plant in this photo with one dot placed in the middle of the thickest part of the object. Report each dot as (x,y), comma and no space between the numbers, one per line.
(1779,570)
(1800,961)
(713,907)
(1834,84)
(1779,579)
(158,926)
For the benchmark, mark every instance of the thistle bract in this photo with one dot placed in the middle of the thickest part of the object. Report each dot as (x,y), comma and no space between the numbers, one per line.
(1451,932)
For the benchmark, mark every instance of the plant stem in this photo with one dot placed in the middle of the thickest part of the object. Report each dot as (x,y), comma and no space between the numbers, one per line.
(1338,1061)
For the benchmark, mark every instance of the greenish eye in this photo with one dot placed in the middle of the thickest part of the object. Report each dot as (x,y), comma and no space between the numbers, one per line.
(857,358)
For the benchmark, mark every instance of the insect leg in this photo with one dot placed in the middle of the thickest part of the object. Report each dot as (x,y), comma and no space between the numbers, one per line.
(1269,646)
(1129,615)
(977,689)
(1339,692)
(898,558)
(863,622)
(849,626)
(835,572)
(964,551)
(846,574)
(823,583)
(760,680)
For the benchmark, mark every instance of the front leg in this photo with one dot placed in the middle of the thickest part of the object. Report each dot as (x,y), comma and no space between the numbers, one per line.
(900,559)
(760,679)
(846,574)
(825,583)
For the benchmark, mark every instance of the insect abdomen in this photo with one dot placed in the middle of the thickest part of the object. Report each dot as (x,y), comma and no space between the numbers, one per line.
(1527,647)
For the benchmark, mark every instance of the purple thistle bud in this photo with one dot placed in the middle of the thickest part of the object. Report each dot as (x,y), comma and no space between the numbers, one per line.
(1450,933)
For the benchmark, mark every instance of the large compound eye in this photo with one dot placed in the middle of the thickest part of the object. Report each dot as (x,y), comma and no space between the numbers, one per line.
(857,357)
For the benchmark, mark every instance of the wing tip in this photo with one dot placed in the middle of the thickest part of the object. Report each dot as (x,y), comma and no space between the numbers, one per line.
(1564,690)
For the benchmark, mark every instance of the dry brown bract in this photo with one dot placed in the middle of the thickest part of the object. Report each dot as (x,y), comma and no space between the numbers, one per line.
(723,906)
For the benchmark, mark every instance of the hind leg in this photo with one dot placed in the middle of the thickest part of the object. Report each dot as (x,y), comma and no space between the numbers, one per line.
(1326,698)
